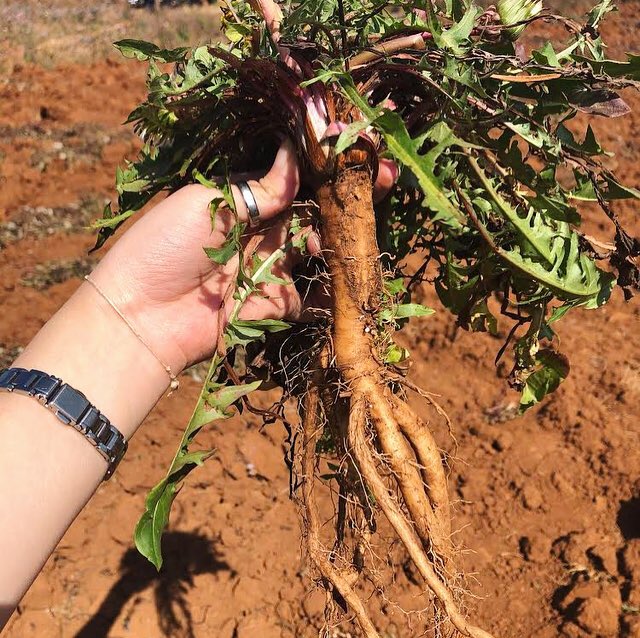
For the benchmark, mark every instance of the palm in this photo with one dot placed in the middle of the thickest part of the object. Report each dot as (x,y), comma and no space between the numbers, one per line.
(159,276)
(172,292)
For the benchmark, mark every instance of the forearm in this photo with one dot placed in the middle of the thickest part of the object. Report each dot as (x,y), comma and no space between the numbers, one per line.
(48,471)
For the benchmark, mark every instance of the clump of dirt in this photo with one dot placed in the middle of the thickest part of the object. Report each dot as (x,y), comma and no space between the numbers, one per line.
(39,221)
(45,275)
(8,354)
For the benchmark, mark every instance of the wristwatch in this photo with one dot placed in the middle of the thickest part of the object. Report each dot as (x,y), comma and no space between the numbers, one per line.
(72,408)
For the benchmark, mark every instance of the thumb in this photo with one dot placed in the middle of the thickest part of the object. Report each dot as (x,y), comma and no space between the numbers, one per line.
(275,191)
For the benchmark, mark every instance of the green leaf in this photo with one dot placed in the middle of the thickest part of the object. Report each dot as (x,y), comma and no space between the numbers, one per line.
(263,275)
(237,32)
(395,287)
(112,222)
(513,12)
(523,225)
(481,319)
(265,325)
(150,527)
(610,188)
(614,68)
(596,15)
(349,136)
(552,368)
(405,150)
(590,145)
(455,9)
(213,403)
(221,399)
(548,254)
(229,248)
(405,311)
(395,354)
(555,207)
(148,532)
(458,34)
(141,50)
(214,207)
(242,333)
(546,55)
(201,179)
(223,254)
(558,313)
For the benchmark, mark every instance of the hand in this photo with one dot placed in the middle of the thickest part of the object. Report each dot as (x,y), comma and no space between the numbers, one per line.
(160,278)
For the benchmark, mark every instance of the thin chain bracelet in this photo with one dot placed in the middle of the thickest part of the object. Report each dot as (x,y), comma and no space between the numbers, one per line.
(174,380)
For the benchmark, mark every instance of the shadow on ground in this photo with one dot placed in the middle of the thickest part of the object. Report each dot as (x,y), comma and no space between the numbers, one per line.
(185,556)
(629,518)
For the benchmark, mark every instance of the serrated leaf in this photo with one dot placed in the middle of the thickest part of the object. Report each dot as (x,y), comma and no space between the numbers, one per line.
(611,189)
(522,225)
(458,34)
(555,207)
(262,275)
(596,15)
(213,403)
(223,254)
(546,55)
(404,150)
(141,50)
(589,146)
(614,68)
(552,368)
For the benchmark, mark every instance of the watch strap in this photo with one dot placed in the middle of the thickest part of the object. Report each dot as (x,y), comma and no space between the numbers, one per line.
(72,408)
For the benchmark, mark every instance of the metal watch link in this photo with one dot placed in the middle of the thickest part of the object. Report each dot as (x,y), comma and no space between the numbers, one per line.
(72,408)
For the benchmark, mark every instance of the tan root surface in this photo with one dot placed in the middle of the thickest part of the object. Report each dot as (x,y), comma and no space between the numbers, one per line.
(391,456)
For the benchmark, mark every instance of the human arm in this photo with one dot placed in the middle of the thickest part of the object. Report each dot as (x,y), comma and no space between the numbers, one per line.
(159,277)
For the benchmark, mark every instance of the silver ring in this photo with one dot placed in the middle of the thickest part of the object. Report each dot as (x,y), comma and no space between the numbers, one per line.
(249,202)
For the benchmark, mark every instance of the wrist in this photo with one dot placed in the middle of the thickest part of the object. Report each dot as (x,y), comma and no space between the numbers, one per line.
(143,317)
(88,346)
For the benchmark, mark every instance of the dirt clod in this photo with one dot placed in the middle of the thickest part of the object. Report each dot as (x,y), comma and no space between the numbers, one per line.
(598,617)
(587,550)
(631,560)
(532,497)
(503,441)
(631,627)
(535,549)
